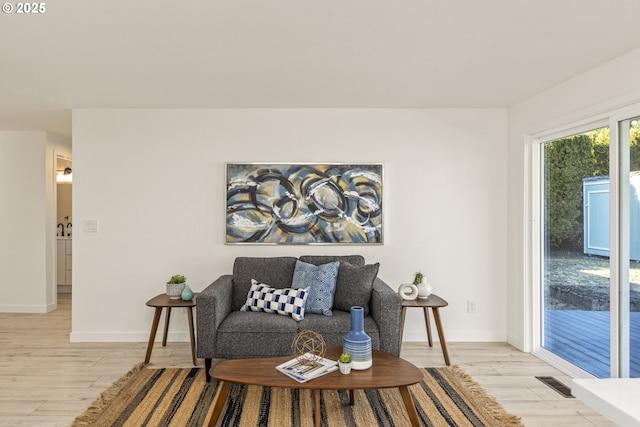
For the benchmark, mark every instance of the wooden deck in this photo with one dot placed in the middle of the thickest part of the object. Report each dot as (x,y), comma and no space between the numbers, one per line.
(582,338)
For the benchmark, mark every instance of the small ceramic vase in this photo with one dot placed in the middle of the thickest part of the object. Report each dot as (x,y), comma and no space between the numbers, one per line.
(356,342)
(424,289)
(187,293)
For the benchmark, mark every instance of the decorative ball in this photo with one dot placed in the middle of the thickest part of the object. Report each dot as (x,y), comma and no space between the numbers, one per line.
(308,347)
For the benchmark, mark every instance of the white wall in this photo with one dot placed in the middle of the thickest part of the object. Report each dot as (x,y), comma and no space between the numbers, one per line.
(154,179)
(612,85)
(27,213)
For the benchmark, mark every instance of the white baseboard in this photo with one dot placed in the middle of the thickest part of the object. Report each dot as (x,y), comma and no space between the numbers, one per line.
(457,336)
(27,308)
(126,336)
(515,341)
(64,289)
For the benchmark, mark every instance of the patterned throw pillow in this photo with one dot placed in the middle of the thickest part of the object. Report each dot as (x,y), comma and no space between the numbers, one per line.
(321,281)
(288,302)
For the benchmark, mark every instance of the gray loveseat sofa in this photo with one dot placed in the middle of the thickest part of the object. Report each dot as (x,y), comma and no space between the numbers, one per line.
(228,333)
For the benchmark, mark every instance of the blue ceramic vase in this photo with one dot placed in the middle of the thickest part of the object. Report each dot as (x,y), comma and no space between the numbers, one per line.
(187,293)
(356,342)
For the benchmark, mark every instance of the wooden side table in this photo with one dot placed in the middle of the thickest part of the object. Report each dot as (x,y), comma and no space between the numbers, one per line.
(434,302)
(163,301)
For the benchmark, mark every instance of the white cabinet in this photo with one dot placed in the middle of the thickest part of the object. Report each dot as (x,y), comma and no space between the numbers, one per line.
(67,264)
(60,262)
(63,261)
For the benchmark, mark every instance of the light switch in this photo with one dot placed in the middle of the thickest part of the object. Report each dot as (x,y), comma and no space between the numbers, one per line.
(90,225)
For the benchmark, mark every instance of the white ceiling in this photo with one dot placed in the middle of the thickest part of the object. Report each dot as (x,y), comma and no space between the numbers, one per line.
(297,53)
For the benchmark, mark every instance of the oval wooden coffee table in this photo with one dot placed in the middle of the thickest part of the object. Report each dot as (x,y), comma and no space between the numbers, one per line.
(387,372)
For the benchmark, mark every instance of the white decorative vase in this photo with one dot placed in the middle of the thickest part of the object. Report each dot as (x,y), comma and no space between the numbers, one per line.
(424,289)
(408,291)
(174,290)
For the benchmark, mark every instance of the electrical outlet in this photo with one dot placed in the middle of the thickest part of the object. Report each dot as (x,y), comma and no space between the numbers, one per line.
(471,306)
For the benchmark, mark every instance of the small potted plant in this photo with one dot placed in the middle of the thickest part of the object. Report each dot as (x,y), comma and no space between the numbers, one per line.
(175,286)
(417,279)
(344,363)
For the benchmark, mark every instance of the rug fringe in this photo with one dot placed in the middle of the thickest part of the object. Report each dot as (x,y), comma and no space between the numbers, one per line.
(90,416)
(490,403)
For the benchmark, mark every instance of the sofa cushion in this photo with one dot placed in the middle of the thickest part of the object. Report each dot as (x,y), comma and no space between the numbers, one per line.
(250,334)
(287,301)
(240,322)
(277,271)
(354,286)
(321,282)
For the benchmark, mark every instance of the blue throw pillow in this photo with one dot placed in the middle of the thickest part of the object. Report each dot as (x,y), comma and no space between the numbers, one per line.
(321,281)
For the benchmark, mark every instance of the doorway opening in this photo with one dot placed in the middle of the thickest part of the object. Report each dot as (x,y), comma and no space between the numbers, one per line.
(64,229)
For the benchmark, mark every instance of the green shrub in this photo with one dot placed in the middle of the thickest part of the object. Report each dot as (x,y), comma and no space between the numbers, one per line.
(567,162)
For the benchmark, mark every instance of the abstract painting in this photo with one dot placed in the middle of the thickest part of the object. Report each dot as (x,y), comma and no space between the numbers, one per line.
(304,203)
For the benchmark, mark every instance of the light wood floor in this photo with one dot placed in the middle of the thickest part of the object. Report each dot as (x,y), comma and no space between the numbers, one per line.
(46,381)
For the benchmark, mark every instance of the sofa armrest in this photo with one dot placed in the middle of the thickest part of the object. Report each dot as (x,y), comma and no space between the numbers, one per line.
(213,305)
(386,309)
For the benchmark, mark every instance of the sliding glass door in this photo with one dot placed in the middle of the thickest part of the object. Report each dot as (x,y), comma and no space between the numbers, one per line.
(590,247)
(575,288)
(628,316)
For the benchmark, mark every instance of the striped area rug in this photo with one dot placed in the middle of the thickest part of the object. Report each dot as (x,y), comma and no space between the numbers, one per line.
(181,397)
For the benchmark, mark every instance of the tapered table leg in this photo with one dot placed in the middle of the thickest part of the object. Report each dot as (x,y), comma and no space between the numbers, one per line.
(404,314)
(428,324)
(166,327)
(192,335)
(316,409)
(411,408)
(219,400)
(152,335)
(443,344)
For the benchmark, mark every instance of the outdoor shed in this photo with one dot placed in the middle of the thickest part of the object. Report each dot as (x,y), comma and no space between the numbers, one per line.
(595,192)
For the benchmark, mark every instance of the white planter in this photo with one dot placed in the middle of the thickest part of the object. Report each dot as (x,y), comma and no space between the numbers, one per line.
(345,368)
(174,290)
